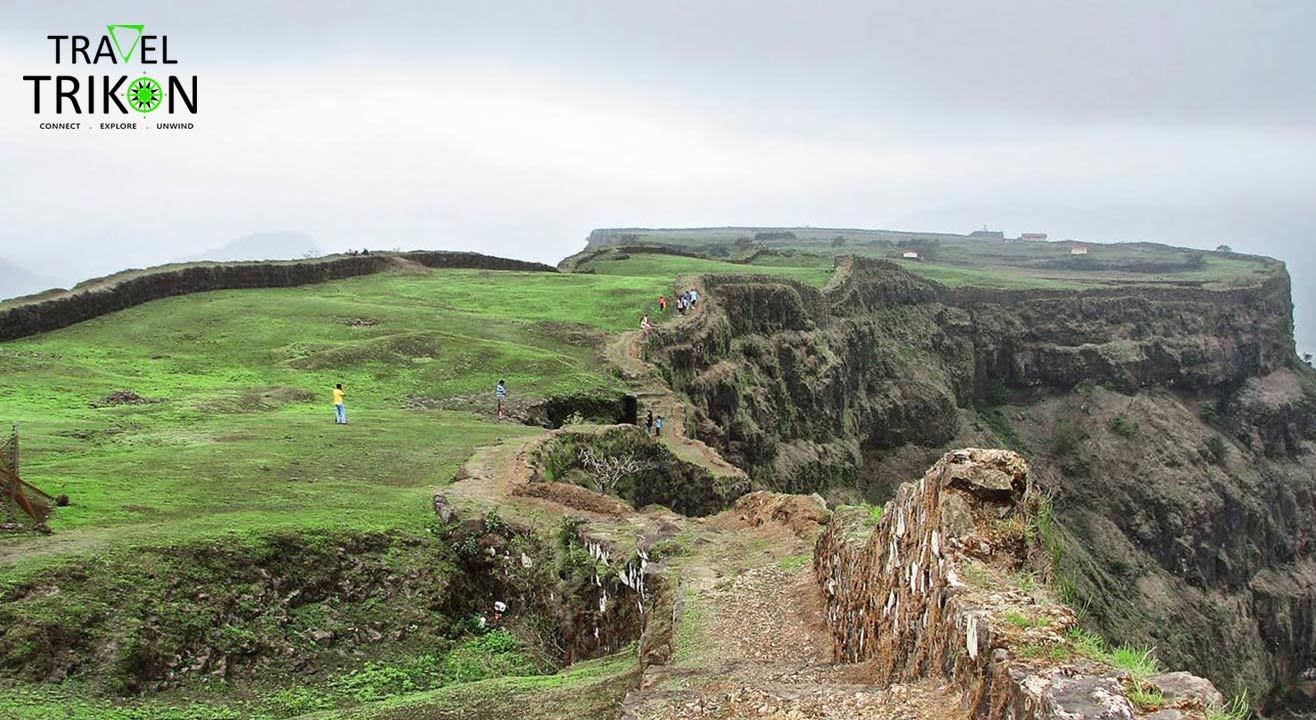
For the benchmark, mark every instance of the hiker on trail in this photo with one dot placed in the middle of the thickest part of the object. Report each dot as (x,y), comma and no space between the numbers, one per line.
(340,412)
(680,304)
(694,297)
(500,393)
(658,426)
(648,423)
(645,325)
(662,303)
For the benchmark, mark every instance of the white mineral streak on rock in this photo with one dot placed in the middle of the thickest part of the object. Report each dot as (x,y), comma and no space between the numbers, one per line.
(936,543)
(971,638)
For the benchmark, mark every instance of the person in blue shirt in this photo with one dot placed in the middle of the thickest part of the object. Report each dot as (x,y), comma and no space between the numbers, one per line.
(500,392)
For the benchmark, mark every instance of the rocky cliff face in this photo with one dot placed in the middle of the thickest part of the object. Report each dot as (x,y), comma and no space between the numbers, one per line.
(946,586)
(1173,425)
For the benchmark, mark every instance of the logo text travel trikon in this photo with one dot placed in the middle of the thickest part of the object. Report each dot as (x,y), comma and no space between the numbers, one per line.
(108,94)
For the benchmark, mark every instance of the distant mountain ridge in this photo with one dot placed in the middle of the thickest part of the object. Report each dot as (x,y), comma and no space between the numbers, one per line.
(17,281)
(278,245)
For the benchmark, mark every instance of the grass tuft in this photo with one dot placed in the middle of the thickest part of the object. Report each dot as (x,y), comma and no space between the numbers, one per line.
(1237,708)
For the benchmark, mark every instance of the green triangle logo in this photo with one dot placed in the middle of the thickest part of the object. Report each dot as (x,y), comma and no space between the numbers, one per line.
(136,38)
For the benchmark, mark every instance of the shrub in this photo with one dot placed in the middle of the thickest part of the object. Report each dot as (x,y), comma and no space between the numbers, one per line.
(1000,426)
(292,702)
(1216,450)
(1124,427)
(1066,439)
(993,392)
(1208,411)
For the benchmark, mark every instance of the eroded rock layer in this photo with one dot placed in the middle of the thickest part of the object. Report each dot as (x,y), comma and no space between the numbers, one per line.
(934,591)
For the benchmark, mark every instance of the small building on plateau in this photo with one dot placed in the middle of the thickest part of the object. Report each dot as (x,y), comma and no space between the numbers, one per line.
(1033,237)
(1078,249)
(910,255)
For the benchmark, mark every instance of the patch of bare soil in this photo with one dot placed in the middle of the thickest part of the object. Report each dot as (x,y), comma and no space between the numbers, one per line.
(421,402)
(803,514)
(574,497)
(769,615)
(121,397)
(571,333)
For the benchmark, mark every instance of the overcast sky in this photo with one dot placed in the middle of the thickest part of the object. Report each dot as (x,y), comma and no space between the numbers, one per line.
(514,128)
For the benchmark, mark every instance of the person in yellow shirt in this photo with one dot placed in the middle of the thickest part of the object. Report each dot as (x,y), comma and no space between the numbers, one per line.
(340,412)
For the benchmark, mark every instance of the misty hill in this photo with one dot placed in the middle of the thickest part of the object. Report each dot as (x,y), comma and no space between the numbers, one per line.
(981,258)
(16,281)
(285,245)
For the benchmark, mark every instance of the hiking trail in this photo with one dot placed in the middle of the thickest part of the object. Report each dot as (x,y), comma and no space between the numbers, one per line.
(749,638)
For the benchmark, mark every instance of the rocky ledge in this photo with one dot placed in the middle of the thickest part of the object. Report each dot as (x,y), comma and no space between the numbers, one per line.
(952,584)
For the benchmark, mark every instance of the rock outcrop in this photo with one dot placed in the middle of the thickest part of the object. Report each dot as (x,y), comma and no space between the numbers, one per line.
(1173,425)
(792,383)
(945,586)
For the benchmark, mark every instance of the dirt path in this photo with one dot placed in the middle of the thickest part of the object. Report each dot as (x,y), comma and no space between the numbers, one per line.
(751,641)
(627,354)
(750,638)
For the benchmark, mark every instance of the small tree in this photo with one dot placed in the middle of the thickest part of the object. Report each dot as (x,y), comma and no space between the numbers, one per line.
(1224,249)
(609,471)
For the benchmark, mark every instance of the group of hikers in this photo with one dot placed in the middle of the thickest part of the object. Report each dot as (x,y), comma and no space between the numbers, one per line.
(685,301)
(653,425)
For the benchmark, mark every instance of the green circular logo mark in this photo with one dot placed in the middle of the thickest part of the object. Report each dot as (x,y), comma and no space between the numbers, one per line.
(145,94)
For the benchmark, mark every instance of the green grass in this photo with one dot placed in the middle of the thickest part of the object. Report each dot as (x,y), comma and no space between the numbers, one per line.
(1024,622)
(995,277)
(1146,695)
(958,260)
(1236,708)
(810,269)
(1139,663)
(239,436)
(584,690)
(793,563)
